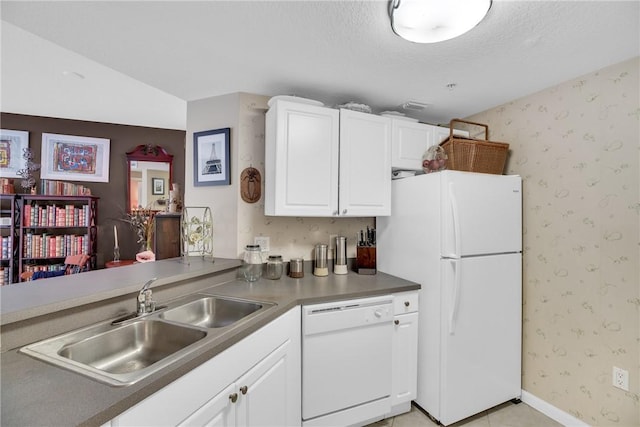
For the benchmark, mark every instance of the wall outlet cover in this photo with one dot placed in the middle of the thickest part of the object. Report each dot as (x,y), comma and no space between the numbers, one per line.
(620,378)
(263,241)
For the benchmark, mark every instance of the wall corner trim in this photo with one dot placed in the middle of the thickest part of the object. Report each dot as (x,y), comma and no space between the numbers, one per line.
(551,411)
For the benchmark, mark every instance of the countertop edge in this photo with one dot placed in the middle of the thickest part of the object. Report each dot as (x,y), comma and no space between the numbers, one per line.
(113,283)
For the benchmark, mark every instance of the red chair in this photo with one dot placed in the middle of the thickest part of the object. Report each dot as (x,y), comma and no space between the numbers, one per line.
(76,263)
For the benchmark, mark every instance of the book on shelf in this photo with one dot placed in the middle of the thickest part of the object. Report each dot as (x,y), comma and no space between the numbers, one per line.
(55,216)
(61,188)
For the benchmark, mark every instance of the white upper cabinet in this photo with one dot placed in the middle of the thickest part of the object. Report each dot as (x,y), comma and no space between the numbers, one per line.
(411,139)
(365,164)
(301,160)
(324,162)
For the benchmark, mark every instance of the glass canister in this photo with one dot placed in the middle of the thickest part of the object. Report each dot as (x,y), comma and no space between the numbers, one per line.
(274,267)
(252,263)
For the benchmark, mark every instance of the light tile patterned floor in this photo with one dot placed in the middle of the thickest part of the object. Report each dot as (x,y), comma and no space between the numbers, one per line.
(505,415)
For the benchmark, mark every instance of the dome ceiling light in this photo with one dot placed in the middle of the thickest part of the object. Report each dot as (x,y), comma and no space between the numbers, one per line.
(432,21)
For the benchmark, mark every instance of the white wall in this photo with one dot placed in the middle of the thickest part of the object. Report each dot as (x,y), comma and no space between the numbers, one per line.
(209,114)
(33,83)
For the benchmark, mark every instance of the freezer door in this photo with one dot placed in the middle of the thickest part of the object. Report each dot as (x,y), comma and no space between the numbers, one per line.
(481,324)
(481,214)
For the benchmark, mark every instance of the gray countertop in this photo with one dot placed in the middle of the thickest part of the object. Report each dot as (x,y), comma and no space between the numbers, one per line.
(35,393)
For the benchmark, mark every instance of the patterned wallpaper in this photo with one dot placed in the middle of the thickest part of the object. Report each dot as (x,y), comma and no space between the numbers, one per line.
(577,147)
(289,236)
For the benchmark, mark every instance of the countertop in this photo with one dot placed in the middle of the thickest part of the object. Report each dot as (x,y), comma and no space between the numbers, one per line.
(36,393)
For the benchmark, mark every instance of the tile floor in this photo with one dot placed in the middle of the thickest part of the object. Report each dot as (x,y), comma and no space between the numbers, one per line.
(505,415)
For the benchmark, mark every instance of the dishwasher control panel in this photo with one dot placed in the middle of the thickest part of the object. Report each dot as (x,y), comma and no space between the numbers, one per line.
(326,317)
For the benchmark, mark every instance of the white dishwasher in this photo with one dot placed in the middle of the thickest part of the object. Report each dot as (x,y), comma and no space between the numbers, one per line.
(346,361)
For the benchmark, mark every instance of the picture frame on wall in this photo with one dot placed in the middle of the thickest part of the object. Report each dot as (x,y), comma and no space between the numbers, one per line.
(211,157)
(74,158)
(12,146)
(157,186)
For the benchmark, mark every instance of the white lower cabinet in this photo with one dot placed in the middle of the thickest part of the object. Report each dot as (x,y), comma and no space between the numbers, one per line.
(255,382)
(257,398)
(404,372)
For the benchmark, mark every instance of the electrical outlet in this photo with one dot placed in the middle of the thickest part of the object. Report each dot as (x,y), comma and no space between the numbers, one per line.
(621,378)
(263,241)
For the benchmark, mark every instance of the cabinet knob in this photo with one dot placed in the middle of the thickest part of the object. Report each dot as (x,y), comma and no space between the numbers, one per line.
(233,397)
(344,211)
(244,389)
(407,303)
(335,213)
(397,322)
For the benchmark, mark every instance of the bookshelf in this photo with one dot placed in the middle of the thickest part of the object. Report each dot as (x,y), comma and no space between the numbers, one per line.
(9,223)
(53,227)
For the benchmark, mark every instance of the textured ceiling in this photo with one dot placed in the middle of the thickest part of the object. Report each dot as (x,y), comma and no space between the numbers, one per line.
(338,51)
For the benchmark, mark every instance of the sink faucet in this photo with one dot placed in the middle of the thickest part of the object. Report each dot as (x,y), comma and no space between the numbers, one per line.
(145,302)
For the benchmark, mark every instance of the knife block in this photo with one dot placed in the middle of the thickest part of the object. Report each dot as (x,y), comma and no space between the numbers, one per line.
(366,259)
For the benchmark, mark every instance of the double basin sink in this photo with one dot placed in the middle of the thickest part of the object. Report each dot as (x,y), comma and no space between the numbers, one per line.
(123,352)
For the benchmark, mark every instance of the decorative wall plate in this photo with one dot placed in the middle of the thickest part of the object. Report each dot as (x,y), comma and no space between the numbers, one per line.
(250,185)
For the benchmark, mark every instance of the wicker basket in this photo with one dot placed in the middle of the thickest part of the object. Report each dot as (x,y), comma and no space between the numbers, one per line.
(474,155)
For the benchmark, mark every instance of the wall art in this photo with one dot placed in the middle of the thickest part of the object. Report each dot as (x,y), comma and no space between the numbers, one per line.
(12,146)
(75,158)
(157,186)
(211,157)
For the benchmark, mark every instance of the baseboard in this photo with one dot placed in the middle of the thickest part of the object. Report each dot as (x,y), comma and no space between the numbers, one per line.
(551,411)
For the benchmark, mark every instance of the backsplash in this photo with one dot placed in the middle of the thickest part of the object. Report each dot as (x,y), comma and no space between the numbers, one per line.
(576,145)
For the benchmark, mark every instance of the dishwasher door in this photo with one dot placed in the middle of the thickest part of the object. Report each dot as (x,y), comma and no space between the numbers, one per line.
(346,354)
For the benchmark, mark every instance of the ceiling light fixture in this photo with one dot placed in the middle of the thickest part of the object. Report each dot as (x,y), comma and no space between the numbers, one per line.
(432,21)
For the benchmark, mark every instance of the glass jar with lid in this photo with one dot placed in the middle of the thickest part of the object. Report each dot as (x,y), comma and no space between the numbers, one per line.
(274,267)
(252,263)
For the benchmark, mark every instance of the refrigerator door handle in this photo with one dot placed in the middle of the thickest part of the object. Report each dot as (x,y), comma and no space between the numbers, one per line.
(455,219)
(453,310)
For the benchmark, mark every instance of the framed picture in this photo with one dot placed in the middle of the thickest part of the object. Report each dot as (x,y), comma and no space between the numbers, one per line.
(157,186)
(74,158)
(12,145)
(211,161)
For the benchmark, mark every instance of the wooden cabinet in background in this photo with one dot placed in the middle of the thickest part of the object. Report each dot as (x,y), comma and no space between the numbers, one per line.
(166,236)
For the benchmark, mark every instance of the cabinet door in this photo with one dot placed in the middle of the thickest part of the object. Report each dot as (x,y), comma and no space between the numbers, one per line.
(166,236)
(365,164)
(220,411)
(409,142)
(405,358)
(264,398)
(301,160)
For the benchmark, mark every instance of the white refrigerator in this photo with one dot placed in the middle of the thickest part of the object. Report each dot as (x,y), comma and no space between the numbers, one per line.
(459,235)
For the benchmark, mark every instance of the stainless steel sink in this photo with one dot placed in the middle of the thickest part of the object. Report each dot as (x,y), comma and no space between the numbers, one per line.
(125,351)
(211,312)
(118,355)
(132,347)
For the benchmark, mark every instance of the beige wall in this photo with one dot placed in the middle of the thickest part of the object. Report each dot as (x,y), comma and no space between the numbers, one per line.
(236,222)
(577,147)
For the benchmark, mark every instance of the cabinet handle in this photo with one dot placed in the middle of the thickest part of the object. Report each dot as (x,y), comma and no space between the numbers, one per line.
(233,397)
(244,389)
(407,303)
(397,322)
